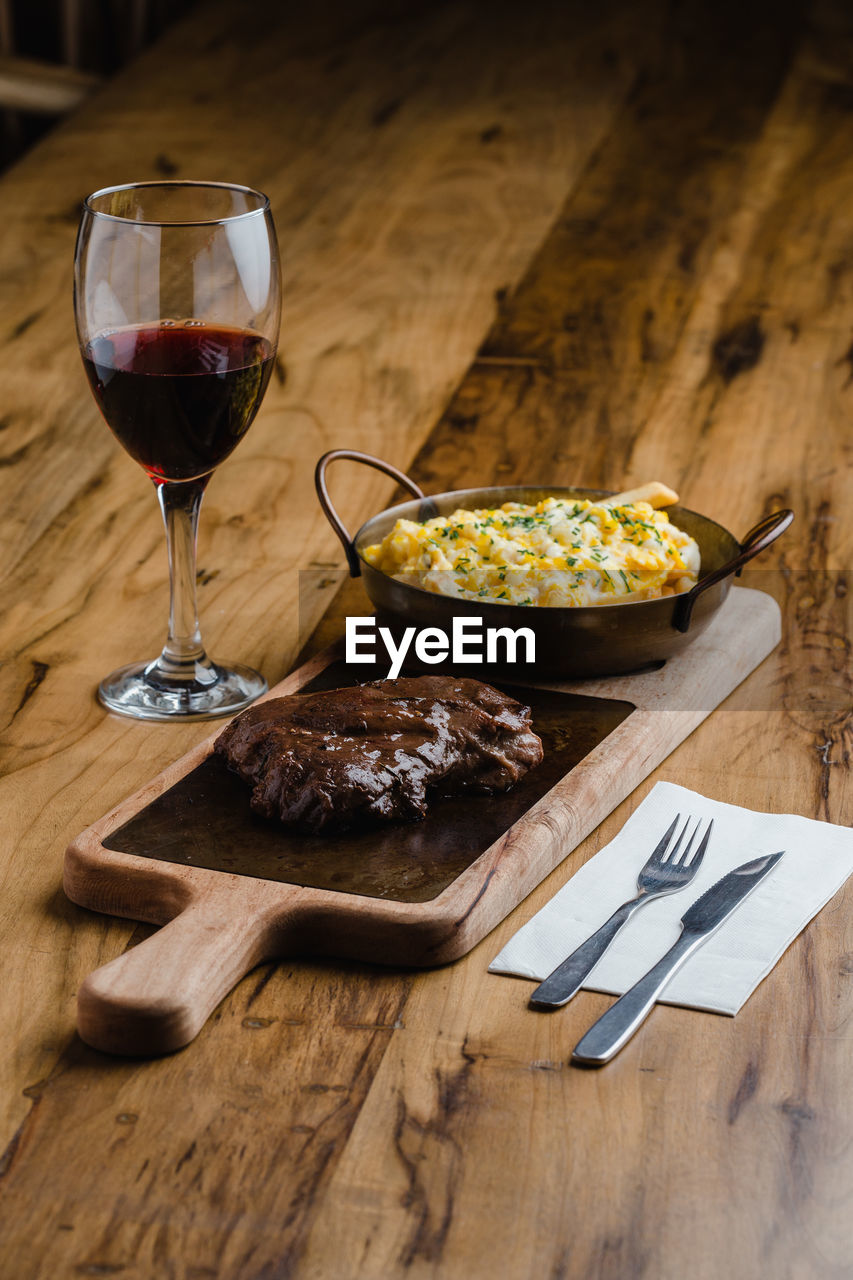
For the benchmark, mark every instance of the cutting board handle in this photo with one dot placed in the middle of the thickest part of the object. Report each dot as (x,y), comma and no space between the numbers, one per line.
(156,997)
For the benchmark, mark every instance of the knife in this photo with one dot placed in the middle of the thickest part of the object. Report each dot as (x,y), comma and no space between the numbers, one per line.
(615,1027)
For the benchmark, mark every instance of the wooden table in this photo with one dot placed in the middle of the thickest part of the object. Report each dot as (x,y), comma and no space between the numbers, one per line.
(587,244)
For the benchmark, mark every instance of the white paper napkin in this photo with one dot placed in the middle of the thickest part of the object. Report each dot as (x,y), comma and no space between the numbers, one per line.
(725,971)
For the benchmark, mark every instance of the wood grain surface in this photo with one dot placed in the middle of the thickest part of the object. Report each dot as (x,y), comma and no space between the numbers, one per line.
(569,243)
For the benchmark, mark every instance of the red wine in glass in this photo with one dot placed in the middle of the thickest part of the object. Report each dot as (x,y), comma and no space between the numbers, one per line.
(177,302)
(179,395)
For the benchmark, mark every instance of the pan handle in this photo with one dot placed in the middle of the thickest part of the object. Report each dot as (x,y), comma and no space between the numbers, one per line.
(759,537)
(326,502)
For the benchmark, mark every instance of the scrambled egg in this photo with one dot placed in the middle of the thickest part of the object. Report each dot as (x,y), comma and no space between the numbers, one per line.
(559,552)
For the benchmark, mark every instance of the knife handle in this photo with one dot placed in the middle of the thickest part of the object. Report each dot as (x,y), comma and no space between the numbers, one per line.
(615,1027)
(568,978)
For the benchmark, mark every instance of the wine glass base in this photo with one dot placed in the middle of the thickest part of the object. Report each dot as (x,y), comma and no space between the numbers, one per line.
(224,690)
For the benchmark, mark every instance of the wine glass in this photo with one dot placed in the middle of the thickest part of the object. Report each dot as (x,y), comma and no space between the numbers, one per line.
(177,302)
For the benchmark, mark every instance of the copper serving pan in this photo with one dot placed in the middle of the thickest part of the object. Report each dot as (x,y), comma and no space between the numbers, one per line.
(591,640)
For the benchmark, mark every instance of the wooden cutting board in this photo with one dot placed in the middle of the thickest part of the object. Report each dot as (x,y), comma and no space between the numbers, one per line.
(233,890)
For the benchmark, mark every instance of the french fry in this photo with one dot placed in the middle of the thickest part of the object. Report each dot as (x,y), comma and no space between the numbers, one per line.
(654,493)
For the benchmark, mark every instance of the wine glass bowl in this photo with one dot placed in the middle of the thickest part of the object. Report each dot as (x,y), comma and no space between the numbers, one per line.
(177,303)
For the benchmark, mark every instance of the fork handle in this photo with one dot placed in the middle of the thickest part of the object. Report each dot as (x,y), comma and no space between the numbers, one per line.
(615,1027)
(568,978)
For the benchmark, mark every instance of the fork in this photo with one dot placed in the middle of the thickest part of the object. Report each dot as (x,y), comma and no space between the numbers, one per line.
(666,871)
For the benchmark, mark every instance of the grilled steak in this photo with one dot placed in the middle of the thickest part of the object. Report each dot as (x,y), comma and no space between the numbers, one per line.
(325,761)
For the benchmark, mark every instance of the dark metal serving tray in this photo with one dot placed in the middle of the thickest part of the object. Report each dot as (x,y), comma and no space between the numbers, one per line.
(204,820)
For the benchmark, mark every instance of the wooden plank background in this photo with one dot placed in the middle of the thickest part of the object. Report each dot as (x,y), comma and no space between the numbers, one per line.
(587,244)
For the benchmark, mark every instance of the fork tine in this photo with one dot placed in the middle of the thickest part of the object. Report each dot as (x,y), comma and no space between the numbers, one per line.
(680,862)
(659,852)
(671,857)
(703,845)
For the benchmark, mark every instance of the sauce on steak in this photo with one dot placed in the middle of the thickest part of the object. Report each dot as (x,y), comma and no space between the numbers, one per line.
(331,760)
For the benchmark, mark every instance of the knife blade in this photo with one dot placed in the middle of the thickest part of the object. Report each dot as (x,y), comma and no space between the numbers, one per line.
(615,1027)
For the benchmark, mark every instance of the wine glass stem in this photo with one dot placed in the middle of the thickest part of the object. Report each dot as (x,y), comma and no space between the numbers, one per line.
(183,656)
